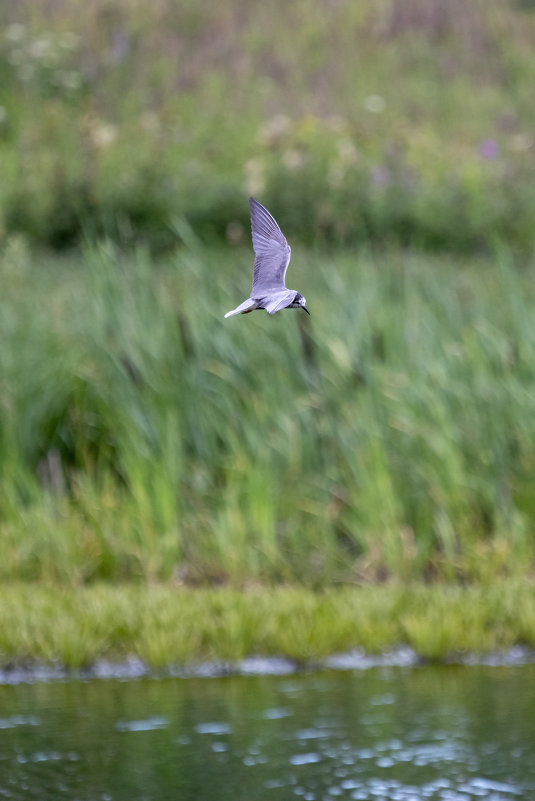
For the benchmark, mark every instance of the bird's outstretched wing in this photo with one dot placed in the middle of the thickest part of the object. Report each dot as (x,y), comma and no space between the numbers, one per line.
(272,252)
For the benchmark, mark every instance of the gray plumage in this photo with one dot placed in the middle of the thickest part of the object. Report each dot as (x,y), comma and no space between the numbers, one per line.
(272,256)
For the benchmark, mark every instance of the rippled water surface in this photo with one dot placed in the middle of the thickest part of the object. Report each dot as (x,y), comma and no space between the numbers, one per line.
(451,733)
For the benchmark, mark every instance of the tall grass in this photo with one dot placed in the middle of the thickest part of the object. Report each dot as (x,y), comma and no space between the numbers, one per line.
(142,436)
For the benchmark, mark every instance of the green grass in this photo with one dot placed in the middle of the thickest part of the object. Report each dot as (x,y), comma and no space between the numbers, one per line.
(163,625)
(143,437)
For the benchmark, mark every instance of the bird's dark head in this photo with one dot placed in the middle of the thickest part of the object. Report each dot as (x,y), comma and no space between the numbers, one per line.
(300,302)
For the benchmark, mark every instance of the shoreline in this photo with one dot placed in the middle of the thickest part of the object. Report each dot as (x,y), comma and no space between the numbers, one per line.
(133,668)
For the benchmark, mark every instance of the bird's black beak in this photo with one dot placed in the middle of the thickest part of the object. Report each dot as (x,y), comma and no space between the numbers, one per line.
(305,309)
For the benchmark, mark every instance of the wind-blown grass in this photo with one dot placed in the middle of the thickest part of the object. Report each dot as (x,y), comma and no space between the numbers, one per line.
(143,437)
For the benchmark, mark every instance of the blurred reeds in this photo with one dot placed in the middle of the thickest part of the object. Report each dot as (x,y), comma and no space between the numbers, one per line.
(391,434)
(407,122)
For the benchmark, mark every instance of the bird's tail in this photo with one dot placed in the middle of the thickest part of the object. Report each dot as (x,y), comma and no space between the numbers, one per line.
(247,306)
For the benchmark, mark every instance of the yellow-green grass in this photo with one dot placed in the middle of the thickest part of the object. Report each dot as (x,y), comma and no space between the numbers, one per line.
(164,625)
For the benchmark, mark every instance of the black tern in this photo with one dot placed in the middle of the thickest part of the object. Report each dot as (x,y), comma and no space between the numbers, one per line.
(272,257)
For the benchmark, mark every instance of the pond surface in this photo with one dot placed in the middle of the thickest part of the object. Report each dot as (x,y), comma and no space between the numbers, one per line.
(403,734)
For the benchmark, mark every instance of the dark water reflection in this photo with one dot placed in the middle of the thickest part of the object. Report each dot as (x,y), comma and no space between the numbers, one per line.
(449,733)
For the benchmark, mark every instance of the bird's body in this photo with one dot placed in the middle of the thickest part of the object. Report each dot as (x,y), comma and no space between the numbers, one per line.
(272,256)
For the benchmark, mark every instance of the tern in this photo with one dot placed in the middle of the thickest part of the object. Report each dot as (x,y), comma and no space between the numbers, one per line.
(272,256)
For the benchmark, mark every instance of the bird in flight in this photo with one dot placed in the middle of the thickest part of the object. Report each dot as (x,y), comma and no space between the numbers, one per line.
(272,256)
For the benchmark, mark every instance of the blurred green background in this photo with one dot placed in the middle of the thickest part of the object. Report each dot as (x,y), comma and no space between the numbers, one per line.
(407,122)
(390,435)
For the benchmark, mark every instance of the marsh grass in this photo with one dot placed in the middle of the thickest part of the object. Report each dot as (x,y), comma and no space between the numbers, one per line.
(163,625)
(144,438)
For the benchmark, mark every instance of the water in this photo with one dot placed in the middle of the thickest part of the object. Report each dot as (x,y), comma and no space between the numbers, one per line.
(452,733)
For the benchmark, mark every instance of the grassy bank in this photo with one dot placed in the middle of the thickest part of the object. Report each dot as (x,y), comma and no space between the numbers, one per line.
(388,439)
(407,122)
(391,434)
(163,625)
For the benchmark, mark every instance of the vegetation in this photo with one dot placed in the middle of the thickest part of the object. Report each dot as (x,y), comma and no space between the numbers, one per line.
(403,122)
(163,625)
(388,438)
(390,434)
